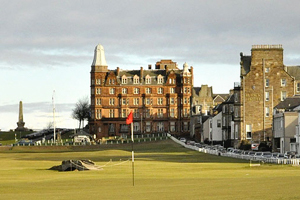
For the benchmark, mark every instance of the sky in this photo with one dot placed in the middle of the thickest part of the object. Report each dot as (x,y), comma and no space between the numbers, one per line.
(47,47)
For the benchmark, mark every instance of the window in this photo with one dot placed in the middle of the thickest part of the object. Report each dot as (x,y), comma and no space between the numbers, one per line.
(185,101)
(249,131)
(136,91)
(267,110)
(148,126)
(98,90)
(283,95)
(93,82)
(172,126)
(136,101)
(224,108)
(267,82)
(98,101)
(298,87)
(148,79)
(147,101)
(160,113)
(92,91)
(124,90)
(267,94)
(185,126)
(160,126)
(185,112)
(283,82)
(111,90)
(136,113)
(185,90)
(136,126)
(159,101)
(267,69)
(98,81)
(224,121)
(148,90)
(236,112)
(172,90)
(123,101)
(124,113)
(111,81)
(124,80)
(136,80)
(160,91)
(111,101)
(236,131)
(172,112)
(236,97)
(147,112)
(98,114)
(111,113)
(172,101)
(218,123)
(160,80)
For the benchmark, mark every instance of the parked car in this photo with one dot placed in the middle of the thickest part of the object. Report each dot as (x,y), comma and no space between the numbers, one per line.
(281,156)
(266,154)
(297,156)
(274,155)
(183,140)
(258,155)
(290,154)
(25,143)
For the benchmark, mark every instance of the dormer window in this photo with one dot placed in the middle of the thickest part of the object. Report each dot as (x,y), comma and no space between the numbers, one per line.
(136,80)
(124,79)
(160,79)
(111,81)
(148,79)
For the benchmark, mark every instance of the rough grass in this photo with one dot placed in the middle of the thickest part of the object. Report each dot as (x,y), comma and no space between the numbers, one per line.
(163,170)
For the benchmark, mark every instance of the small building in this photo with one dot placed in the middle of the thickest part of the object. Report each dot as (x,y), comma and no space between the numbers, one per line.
(82,137)
(285,120)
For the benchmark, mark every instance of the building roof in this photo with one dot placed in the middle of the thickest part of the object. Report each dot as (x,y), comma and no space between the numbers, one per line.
(99,57)
(289,103)
(246,63)
(294,71)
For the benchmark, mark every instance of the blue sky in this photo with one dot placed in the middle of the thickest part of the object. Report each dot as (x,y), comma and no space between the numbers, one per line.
(49,45)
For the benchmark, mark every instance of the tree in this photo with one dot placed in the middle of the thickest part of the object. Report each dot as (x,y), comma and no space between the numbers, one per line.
(81,110)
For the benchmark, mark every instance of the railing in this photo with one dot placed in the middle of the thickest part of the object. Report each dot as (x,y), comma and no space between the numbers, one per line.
(282,161)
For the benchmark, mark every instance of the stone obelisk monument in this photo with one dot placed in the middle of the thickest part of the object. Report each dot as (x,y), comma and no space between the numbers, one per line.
(20,123)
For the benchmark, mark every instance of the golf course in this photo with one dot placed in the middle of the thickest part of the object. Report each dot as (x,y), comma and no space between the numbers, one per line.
(162,170)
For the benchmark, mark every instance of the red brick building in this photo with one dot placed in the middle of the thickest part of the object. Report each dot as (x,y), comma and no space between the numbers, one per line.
(159,98)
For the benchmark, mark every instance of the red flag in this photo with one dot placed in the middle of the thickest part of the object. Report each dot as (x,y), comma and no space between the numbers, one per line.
(129,119)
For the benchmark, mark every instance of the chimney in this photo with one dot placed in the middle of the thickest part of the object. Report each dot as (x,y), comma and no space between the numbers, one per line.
(142,73)
(118,71)
(149,66)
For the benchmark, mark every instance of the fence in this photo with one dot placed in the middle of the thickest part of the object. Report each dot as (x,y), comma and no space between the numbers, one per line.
(137,139)
(239,156)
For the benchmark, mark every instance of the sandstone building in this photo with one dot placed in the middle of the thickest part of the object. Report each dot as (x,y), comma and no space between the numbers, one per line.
(265,81)
(159,98)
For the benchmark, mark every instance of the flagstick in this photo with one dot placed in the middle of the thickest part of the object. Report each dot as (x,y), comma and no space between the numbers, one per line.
(132,154)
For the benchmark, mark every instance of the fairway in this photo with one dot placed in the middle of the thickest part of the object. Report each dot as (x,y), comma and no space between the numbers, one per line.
(163,170)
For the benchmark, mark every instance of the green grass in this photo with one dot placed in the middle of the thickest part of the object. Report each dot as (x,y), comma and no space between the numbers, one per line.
(9,137)
(163,170)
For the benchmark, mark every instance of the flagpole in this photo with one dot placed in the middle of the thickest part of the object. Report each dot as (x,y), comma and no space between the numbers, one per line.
(132,154)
